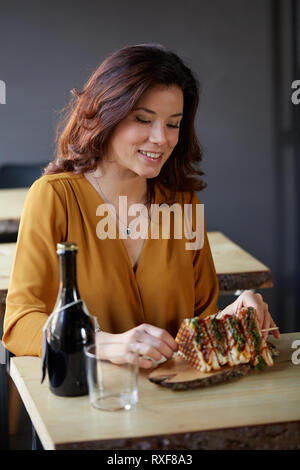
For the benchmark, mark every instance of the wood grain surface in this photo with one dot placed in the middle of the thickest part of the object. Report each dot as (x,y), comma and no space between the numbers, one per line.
(178,374)
(245,412)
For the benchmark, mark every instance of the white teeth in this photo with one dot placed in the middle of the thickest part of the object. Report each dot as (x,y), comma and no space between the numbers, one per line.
(150,154)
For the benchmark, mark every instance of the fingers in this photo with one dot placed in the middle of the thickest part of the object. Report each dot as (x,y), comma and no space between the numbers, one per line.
(268,322)
(147,340)
(148,350)
(272,324)
(251,299)
(153,342)
(145,363)
(142,362)
(265,320)
(129,358)
(162,336)
(156,343)
(128,353)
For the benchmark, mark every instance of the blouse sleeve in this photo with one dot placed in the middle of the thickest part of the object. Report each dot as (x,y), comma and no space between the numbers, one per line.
(35,274)
(206,280)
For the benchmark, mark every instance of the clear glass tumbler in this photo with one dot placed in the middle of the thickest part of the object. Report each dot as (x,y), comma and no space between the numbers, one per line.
(112,375)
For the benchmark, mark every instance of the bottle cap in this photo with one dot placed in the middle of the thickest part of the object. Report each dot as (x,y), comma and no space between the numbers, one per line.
(64,247)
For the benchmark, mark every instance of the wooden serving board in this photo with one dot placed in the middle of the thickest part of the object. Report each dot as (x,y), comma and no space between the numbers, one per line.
(178,374)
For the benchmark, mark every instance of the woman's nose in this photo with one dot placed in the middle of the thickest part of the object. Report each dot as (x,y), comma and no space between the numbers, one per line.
(158,134)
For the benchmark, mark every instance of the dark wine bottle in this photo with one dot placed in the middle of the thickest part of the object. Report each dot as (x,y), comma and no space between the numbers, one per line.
(68,331)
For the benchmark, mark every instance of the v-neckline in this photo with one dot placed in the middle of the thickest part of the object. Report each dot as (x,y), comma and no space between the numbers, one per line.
(134,270)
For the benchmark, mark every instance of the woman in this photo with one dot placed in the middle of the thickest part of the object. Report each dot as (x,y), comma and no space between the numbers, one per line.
(129,133)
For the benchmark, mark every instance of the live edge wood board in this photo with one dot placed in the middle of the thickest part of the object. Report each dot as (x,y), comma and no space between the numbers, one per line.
(236,268)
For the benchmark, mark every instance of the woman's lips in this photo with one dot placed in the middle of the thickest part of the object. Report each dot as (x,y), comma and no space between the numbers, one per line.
(151,157)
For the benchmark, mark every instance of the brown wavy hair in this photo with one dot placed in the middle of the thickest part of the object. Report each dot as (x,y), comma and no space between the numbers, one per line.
(109,95)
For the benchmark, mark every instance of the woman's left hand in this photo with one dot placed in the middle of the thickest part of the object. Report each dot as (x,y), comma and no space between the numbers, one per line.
(251,299)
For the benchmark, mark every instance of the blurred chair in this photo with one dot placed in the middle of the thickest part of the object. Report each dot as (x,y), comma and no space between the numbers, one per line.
(20,175)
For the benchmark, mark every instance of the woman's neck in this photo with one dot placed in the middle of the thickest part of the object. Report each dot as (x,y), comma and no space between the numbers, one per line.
(114,181)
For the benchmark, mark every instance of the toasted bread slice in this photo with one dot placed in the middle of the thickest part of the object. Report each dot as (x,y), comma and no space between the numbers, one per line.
(217,334)
(238,348)
(260,353)
(194,343)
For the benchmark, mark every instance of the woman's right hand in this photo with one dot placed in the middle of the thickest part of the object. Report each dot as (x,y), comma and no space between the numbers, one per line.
(150,341)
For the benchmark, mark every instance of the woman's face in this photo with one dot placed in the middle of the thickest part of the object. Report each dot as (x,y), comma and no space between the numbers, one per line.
(145,139)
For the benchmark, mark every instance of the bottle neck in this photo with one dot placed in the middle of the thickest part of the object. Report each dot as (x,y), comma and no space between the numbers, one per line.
(68,289)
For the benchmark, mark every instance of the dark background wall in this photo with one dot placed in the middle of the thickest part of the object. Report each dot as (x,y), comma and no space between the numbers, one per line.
(243,52)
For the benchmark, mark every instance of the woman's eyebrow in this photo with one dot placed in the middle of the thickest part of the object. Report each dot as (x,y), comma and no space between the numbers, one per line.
(153,112)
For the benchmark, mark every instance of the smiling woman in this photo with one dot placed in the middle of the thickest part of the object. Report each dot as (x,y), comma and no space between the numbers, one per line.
(119,90)
(129,133)
(145,139)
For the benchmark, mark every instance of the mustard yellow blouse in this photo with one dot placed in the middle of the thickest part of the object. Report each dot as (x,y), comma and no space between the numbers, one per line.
(170,283)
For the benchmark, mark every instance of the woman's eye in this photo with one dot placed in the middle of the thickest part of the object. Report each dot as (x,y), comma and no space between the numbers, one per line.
(143,121)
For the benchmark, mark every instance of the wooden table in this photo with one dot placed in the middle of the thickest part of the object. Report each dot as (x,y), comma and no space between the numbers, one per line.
(258,411)
(11,206)
(236,269)
(7,252)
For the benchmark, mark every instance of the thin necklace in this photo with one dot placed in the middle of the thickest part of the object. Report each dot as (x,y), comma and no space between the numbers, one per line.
(127,228)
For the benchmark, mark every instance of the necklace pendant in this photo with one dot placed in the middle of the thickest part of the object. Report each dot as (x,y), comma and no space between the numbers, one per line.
(128,231)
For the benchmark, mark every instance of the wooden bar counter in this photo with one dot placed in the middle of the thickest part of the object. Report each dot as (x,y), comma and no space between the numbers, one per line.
(7,253)
(236,268)
(258,411)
